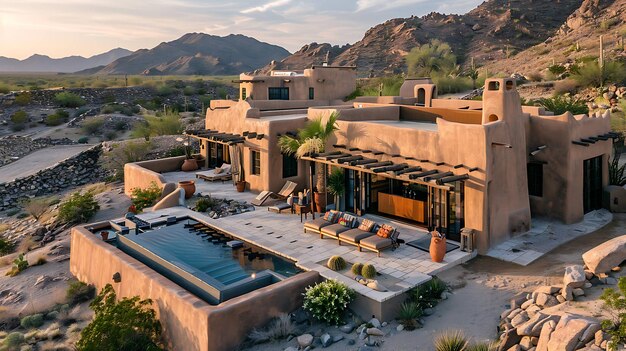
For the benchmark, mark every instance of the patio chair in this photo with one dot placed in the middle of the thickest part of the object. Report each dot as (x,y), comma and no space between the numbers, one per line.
(345,223)
(378,243)
(222,173)
(260,199)
(355,235)
(278,208)
(283,194)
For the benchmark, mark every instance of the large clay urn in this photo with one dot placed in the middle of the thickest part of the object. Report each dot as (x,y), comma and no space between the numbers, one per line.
(189,186)
(241,186)
(320,201)
(189,165)
(437,247)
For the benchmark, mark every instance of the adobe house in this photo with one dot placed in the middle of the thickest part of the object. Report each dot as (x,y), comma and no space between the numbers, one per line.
(451,164)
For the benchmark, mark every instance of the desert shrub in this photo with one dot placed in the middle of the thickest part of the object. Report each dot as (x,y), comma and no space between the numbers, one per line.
(23,98)
(175,151)
(565,86)
(165,90)
(409,313)
(127,324)
(615,303)
(279,328)
(92,125)
(534,76)
(123,153)
(559,104)
(451,84)
(57,118)
(67,99)
(328,300)
(6,247)
(222,93)
(428,294)
(336,263)
(79,292)
(607,24)
(13,211)
(189,90)
(83,140)
(434,57)
(32,321)
(592,75)
(167,124)
(556,69)
(357,268)
(37,206)
(135,81)
(119,125)
(14,340)
(4,89)
(41,260)
(482,346)
(20,264)
(368,271)
(19,117)
(78,208)
(17,127)
(205,203)
(109,135)
(142,198)
(450,341)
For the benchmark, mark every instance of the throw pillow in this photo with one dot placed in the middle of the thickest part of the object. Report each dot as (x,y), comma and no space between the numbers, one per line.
(350,219)
(385,231)
(327,216)
(345,222)
(218,170)
(334,216)
(367,225)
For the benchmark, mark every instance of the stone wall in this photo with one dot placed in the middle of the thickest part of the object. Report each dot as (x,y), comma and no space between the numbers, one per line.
(78,170)
(14,147)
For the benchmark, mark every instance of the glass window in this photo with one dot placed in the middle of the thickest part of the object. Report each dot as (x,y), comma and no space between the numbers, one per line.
(311,93)
(255,157)
(535,179)
(278,93)
(290,166)
(243,94)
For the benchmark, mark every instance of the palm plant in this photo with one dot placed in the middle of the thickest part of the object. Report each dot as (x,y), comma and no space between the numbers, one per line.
(617,172)
(310,140)
(336,185)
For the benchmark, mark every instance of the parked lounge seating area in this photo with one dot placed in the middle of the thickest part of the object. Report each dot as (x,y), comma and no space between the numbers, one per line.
(348,228)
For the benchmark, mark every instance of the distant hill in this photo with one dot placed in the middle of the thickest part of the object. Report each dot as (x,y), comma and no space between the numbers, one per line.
(492,31)
(42,63)
(199,53)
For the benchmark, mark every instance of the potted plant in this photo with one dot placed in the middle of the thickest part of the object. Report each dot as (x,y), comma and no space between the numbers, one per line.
(312,139)
(189,186)
(437,248)
(190,163)
(336,185)
(240,185)
(105,235)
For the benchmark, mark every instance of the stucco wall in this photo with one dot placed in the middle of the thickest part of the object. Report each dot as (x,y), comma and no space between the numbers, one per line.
(188,322)
(142,174)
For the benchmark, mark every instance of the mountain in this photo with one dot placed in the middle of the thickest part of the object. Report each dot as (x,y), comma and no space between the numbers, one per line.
(42,63)
(492,31)
(199,53)
(577,38)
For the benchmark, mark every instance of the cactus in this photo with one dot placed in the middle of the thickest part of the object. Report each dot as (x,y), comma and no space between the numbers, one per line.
(357,268)
(336,263)
(368,271)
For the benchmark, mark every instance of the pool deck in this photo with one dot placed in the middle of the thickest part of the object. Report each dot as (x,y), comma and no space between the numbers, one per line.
(283,235)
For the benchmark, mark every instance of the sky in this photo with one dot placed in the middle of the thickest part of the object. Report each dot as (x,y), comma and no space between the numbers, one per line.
(59,28)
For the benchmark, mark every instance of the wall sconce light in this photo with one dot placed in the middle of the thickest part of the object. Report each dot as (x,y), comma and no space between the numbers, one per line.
(117,277)
(287,80)
(537,150)
(508,146)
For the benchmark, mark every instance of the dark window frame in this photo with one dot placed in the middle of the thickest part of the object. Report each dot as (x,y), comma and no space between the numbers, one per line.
(278,93)
(290,166)
(255,162)
(244,93)
(534,171)
(311,93)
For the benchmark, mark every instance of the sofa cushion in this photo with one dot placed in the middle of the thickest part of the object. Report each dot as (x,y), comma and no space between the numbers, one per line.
(355,235)
(334,216)
(376,242)
(385,231)
(334,229)
(367,225)
(317,224)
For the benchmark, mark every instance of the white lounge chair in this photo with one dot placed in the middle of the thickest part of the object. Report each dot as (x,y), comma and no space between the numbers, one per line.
(283,194)
(212,175)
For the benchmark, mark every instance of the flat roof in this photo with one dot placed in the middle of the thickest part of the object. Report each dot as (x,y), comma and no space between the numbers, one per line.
(283,117)
(408,125)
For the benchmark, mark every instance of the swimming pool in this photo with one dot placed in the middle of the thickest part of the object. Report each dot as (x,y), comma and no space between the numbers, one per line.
(205,261)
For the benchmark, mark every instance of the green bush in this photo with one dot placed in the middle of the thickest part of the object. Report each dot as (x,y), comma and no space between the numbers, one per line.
(450,341)
(434,57)
(279,328)
(357,268)
(57,118)
(336,263)
(79,292)
(83,140)
(32,321)
(592,75)
(557,69)
(23,98)
(328,300)
(143,198)
(19,117)
(408,315)
(167,124)
(482,346)
(4,89)
(428,294)
(109,135)
(78,208)
(615,303)
(92,125)
(451,84)
(20,264)
(189,90)
(175,151)
(560,104)
(127,324)
(14,340)
(67,99)
(124,153)
(6,247)
(368,271)
(165,90)
(37,206)
(205,203)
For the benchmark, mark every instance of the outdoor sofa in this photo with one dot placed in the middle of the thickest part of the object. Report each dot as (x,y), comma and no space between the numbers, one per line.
(222,173)
(347,228)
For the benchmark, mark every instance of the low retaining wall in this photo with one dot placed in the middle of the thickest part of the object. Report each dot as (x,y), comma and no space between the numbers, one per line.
(77,170)
(142,174)
(188,322)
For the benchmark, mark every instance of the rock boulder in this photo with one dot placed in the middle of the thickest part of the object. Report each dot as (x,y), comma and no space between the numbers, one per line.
(574,276)
(606,256)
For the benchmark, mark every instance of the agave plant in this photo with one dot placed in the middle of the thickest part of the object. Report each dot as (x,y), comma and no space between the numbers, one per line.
(451,341)
(311,139)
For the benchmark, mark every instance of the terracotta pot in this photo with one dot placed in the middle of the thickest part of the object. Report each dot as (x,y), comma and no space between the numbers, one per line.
(104,234)
(437,248)
(241,186)
(320,201)
(189,165)
(189,186)
(199,160)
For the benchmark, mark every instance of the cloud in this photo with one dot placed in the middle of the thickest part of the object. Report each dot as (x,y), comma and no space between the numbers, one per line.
(380,5)
(267,6)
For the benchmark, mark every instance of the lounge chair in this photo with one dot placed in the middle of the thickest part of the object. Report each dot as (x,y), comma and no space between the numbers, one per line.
(223,174)
(355,235)
(344,223)
(378,243)
(278,208)
(283,194)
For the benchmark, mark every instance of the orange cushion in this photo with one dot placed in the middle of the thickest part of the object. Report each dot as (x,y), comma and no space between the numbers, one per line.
(385,231)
